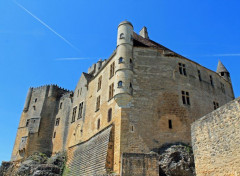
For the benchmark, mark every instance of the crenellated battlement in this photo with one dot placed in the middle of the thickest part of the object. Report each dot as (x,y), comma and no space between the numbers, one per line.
(48,85)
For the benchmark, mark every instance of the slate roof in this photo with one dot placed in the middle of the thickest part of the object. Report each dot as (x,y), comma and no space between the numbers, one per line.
(140,41)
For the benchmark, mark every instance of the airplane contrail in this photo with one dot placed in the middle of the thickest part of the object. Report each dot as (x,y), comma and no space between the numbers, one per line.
(65,40)
(71,58)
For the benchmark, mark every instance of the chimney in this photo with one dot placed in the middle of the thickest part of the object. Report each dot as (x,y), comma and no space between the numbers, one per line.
(144,33)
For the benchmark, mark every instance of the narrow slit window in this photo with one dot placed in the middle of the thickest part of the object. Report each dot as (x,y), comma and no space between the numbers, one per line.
(35,100)
(110,115)
(60,106)
(54,134)
(199,75)
(98,124)
(170,124)
(211,80)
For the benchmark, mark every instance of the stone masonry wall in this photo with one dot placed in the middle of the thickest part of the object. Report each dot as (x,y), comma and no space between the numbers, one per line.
(60,131)
(137,164)
(157,99)
(83,129)
(216,141)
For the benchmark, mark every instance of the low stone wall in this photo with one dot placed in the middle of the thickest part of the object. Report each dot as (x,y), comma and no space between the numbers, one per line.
(138,164)
(216,141)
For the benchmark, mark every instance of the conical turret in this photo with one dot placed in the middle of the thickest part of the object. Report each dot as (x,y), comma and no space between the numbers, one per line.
(222,71)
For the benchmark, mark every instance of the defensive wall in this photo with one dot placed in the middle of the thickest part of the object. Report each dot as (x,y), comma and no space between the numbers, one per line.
(216,141)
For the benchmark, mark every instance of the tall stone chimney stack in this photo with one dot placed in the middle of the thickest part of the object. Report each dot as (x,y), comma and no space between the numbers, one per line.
(144,33)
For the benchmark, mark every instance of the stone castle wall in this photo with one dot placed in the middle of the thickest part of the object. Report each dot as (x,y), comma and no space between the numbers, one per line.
(37,122)
(157,98)
(139,164)
(147,110)
(216,141)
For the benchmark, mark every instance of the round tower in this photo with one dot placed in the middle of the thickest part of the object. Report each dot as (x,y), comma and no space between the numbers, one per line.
(124,67)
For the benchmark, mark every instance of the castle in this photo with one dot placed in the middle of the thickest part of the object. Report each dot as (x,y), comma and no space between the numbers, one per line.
(142,97)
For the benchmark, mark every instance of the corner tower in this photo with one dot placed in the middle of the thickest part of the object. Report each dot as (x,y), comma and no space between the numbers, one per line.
(223,72)
(124,65)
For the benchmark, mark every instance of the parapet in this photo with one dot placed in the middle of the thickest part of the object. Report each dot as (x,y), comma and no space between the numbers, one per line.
(95,68)
(91,70)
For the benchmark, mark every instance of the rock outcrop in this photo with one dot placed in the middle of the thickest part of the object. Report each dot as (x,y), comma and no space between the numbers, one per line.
(35,165)
(176,160)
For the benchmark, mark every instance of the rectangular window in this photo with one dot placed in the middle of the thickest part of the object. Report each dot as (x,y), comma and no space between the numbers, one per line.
(185,98)
(80,110)
(182,69)
(211,80)
(98,103)
(199,75)
(99,83)
(54,134)
(27,123)
(111,89)
(57,122)
(170,124)
(222,88)
(74,114)
(112,69)
(215,105)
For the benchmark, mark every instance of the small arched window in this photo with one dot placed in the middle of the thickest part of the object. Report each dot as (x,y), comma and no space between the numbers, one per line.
(121,36)
(120,83)
(109,114)
(120,60)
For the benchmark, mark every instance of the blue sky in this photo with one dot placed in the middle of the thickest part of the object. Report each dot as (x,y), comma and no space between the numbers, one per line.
(44,42)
